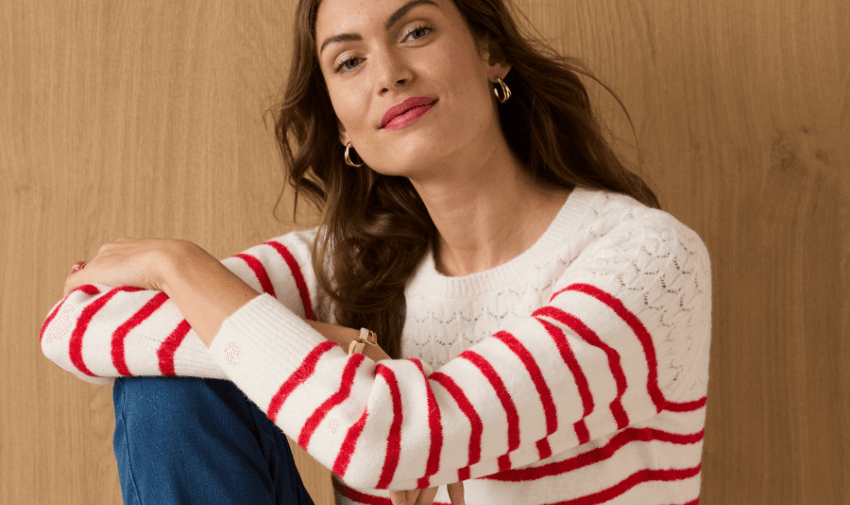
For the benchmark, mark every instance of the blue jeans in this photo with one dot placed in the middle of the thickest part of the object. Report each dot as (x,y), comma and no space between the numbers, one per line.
(186,440)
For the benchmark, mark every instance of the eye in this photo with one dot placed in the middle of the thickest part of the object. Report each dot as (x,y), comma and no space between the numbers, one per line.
(343,62)
(427,29)
(419,29)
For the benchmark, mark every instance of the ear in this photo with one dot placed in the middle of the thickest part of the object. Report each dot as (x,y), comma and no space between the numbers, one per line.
(493,57)
(343,135)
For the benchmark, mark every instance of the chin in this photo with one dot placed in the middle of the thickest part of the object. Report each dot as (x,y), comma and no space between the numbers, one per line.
(400,168)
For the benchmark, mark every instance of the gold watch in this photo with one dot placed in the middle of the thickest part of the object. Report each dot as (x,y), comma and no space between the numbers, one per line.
(366,337)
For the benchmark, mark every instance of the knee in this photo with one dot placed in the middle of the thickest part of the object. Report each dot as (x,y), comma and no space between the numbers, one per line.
(158,416)
(168,401)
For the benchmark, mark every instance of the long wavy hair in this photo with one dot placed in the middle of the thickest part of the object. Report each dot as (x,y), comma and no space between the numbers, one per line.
(375,227)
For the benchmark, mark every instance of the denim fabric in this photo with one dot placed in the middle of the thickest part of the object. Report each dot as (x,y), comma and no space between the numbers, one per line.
(186,440)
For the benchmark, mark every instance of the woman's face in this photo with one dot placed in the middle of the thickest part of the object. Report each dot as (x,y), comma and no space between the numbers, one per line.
(427,51)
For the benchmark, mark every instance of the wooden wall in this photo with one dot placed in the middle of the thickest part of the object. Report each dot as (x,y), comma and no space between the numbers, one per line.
(145,119)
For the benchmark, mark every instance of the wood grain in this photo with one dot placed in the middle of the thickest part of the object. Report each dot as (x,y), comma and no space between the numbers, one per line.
(145,119)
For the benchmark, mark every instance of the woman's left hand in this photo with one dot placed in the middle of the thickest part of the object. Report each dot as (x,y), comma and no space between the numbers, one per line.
(426,496)
(141,263)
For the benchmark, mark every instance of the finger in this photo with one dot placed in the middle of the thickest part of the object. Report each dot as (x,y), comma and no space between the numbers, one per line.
(426,496)
(456,493)
(70,283)
(396,496)
(411,496)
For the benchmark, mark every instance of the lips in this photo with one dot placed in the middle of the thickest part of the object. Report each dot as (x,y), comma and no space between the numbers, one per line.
(400,108)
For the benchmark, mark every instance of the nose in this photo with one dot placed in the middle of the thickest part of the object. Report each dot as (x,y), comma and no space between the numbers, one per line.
(394,72)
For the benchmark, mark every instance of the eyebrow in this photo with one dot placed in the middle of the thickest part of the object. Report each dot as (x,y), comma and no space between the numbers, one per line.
(390,22)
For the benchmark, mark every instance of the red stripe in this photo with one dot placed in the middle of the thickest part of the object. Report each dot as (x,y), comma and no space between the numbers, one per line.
(639,330)
(435,424)
(335,399)
(120,334)
(466,407)
(614,491)
(639,477)
(569,358)
(582,432)
(295,268)
(343,458)
(88,289)
(543,449)
(394,440)
(549,409)
(686,406)
(259,271)
(169,347)
(648,348)
(596,455)
(393,454)
(304,372)
(75,346)
(166,351)
(504,397)
(593,339)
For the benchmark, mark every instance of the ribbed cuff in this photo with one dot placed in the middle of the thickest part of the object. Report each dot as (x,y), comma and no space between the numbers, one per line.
(262,344)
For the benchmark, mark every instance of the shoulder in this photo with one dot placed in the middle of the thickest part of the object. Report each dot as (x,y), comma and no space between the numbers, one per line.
(297,243)
(614,219)
(624,246)
(300,237)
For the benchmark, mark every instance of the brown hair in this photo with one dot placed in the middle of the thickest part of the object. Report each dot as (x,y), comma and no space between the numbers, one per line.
(376,227)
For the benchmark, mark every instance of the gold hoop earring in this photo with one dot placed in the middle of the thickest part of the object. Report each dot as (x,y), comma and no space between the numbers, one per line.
(348,159)
(506,92)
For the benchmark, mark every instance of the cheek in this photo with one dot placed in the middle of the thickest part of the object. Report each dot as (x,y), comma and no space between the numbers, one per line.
(348,108)
(465,73)
(460,69)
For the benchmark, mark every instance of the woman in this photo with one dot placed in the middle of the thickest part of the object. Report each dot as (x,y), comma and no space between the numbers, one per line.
(542,326)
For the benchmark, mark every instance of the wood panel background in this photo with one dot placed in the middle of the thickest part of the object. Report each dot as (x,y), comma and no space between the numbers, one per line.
(145,119)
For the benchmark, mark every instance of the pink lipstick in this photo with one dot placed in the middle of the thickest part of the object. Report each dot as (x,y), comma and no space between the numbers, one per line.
(408,118)
(406,113)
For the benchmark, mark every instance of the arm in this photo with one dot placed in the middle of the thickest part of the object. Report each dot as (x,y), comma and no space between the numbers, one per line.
(592,361)
(100,332)
(207,293)
(343,336)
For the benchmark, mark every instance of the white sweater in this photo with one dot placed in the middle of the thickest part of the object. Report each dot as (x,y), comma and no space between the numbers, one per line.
(576,373)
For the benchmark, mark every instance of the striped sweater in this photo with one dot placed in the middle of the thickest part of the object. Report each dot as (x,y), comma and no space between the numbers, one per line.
(576,373)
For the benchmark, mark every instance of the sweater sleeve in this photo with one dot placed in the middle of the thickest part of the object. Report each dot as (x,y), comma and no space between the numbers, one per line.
(609,349)
(99,332)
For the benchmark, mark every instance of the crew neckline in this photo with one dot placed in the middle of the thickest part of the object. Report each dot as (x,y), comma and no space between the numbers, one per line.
(436,285)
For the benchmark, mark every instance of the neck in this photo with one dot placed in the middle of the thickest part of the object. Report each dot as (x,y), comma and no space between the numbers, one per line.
(487,215)
(493,225)
(491,247)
